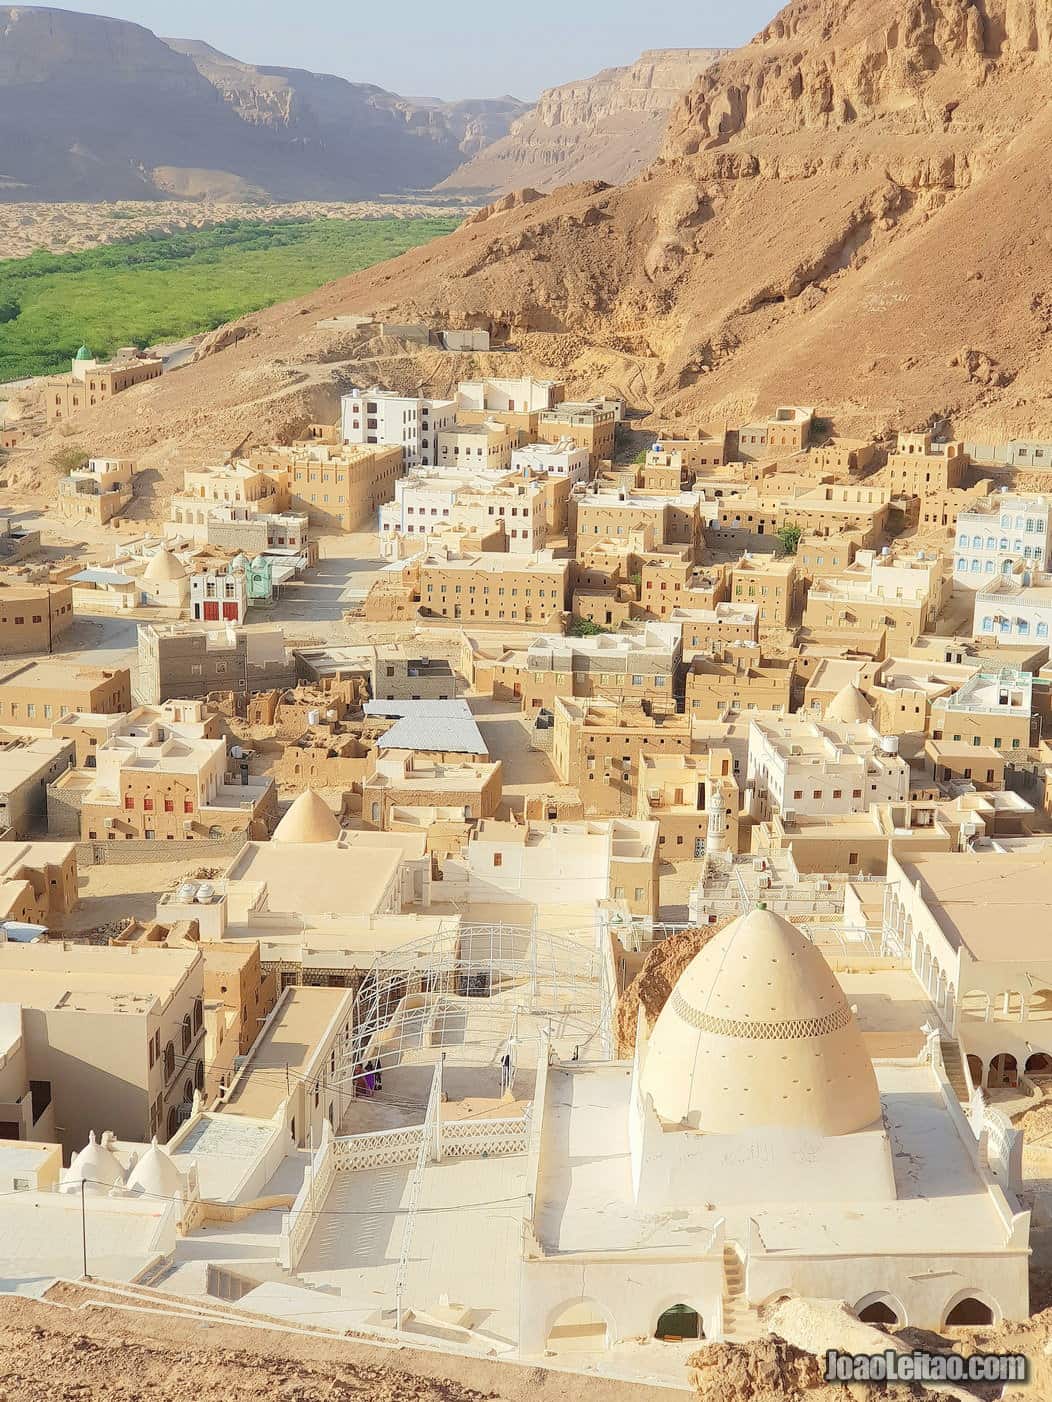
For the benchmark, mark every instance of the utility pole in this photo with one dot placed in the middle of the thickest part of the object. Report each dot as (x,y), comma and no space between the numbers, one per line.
(84,1230)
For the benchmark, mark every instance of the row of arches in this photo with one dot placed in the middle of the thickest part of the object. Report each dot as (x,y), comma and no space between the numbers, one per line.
(583,1326)
(1002,1070)
(901,936)
(971,1307)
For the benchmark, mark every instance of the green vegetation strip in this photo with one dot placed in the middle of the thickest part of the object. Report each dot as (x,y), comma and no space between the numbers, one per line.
(163,287)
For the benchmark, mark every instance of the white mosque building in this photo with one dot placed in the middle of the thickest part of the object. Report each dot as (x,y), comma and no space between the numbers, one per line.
(754,1150)
(766,1140)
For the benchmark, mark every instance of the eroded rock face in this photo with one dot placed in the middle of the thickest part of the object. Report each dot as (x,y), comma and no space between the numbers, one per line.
(761,1372)
(608,127)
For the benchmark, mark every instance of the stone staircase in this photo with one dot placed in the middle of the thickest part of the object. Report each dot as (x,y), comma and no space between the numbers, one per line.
(139,1299)
(951,1059)
(740,1321)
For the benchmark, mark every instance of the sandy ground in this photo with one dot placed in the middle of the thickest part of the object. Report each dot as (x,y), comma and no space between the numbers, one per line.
(112,894)
(526,771)
(51,1355)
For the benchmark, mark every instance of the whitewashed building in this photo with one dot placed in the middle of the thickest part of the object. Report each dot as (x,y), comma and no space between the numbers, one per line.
(823,767)
(409,422)
(562,459)
(1014,609)
(1008,532)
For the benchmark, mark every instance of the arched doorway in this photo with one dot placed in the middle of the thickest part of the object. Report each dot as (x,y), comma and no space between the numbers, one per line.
(679,1322)
(1004,1073)
(1038,1064)
(975,1069)
(970,1309)
(578,1327)
(879,1308)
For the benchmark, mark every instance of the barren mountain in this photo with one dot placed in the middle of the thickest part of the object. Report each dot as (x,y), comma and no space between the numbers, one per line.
(604,128)
(851,212)
(381,137)
(94,108)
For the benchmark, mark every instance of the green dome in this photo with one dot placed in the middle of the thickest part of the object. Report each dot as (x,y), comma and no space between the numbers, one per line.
(83,354)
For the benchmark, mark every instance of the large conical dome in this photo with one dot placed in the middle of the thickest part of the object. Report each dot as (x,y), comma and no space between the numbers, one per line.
(309,819)
(756,1034)
(849,706)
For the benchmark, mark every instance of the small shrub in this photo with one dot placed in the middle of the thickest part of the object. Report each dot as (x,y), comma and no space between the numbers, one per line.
(68,459)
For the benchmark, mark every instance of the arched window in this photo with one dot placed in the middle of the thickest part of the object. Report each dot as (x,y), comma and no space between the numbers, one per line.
(579,1327)
(1004,1071)
(970,1310)
(879,1308)
(199,1013)
(187,1033)
(199,1076)
(169,1061)
(679,1322)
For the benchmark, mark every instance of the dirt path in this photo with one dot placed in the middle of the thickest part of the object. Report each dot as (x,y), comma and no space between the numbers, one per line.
(48,1354)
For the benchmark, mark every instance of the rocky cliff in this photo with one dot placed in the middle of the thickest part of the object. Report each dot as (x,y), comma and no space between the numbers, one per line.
(94,108)
(604,128)
(850,212)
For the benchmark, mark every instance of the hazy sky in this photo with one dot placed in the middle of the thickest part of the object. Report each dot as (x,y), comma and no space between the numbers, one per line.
(467,48)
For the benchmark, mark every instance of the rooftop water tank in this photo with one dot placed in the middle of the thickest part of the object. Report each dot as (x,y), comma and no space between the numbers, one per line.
(889,744)
(188,891)
(205,893)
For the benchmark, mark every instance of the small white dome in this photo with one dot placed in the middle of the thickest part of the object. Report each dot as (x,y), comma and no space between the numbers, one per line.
(164,565)
(756,1034)
(96,1166)
(849,706)
(309,819)
(156,1175)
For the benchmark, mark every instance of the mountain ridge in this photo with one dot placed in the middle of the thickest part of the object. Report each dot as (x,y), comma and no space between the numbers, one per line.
(98,108)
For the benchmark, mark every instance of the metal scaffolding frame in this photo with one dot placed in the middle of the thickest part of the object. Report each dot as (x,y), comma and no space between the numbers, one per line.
(473,993)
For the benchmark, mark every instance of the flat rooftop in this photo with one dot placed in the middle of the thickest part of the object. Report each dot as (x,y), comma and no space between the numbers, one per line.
(289,1042)
(321,879)
(14,855)
(52,675)
(91,978)
(963,890)
(20,759)
(584,1196)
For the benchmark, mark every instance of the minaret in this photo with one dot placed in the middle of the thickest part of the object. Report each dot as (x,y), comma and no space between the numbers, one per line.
(716,840)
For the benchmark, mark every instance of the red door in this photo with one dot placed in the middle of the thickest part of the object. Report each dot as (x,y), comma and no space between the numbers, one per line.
(230,612)
(211,610)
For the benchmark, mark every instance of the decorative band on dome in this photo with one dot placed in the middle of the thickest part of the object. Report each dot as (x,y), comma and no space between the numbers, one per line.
(763,1031)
